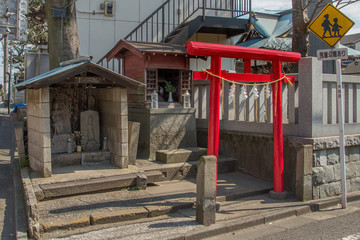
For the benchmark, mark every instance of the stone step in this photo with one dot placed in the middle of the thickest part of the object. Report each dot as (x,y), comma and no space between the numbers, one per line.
(62,189)
(180,155)
(183,170)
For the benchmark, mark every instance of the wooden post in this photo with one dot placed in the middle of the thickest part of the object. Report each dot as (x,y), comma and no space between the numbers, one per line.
(277,130)
(214,109)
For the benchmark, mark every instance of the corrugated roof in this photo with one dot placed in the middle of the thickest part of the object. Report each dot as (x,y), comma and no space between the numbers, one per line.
(76,69)
(349,39)
(143,47)
(283,44)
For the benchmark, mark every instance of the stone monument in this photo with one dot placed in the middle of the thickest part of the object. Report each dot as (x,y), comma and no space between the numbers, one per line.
(89,125)
(60,121)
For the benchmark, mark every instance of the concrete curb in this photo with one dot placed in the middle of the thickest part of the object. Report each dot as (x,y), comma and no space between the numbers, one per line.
(31,204)
(20,218)
(114,216)
(252,221)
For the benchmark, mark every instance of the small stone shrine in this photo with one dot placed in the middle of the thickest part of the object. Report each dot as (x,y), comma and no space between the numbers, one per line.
(89,125)
(79,102)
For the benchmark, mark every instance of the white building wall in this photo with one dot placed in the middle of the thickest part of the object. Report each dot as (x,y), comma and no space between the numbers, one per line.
(99,33)
(226,63)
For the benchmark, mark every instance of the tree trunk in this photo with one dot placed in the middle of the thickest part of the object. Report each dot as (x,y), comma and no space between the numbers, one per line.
(300,38)
(63,33)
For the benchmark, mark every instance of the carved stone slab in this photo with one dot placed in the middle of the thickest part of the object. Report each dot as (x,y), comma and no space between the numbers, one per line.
(60,114)
(90,129)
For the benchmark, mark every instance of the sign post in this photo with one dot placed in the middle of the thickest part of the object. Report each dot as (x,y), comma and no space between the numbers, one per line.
(330,25)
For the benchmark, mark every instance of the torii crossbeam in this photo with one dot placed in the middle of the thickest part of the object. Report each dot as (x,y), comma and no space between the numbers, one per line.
(218,51)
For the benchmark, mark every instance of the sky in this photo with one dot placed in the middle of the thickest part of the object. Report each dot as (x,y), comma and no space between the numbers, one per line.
(272,6)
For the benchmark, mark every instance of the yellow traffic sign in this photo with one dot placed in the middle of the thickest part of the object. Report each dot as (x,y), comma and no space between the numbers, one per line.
(330,25)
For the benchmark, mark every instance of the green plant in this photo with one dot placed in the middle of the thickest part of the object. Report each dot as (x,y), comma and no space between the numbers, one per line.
(25,162)
(169,87)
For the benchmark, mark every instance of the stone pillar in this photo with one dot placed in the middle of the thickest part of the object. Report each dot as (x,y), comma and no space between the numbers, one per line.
(112,105)
(304,162)
(310,98)
(206,190)
(19,135)
(38,124)
(133,140)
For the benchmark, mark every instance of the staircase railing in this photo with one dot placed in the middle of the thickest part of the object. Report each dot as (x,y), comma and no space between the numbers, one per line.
(172,13)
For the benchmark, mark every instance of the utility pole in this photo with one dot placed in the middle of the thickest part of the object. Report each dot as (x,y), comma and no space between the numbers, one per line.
(6,61)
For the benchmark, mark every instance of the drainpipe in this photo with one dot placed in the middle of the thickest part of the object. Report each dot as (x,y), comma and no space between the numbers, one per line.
(203,10)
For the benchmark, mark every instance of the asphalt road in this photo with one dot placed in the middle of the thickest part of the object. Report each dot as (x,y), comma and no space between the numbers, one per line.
(7,212)
(335,223)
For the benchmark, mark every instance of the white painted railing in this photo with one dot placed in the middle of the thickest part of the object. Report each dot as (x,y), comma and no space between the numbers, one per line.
(309,106)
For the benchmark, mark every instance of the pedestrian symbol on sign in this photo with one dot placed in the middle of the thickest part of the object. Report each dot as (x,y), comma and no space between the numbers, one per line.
(330,25)
(335,26)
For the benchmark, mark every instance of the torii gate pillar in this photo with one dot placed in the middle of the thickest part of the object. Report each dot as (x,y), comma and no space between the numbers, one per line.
(216,51)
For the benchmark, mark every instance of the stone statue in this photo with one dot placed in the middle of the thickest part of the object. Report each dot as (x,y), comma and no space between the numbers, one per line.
(91,102)
(89,124)
(60,115)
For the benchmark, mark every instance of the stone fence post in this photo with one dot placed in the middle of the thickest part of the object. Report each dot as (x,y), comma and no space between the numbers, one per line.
(206,190)
(310,97)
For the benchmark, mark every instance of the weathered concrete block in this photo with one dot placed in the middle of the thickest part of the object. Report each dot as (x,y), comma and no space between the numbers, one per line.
(120,161)
(350,170)
(120,94)
(329,190)
(65,159)
(329,174)
(141,181)
(39,139)
(206,190)
(133,140)
(318,176)
(121,135)
(333,156)
(121,122)
(39,109)
(180,155)
(355,184)
(337,172)
(357,168)
(93,158)
(59,143)
(118,216)
(43,168)
(321,159)
(38,95)
(41,153)
(304,173)
(38,124)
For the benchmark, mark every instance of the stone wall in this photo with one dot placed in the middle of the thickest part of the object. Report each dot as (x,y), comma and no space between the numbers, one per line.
(326,173)
(113,111)
(254,154)
(164,129)
(38,124)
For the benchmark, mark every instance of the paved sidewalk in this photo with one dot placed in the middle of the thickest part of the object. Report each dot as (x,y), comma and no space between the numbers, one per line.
(233,216)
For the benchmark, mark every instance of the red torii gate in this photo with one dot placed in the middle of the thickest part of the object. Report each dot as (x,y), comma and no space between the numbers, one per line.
(216,52)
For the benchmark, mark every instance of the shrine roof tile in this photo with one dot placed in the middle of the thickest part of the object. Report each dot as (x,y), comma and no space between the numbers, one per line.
(78,69)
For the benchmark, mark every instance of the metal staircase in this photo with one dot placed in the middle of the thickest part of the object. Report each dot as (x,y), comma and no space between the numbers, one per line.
(175,21)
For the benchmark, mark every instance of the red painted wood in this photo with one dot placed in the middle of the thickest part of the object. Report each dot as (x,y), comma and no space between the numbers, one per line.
(216,51)
(278,160)
(247,65)
(243,77)
(228,51)
(214,109)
